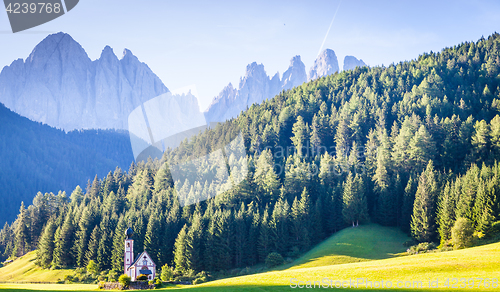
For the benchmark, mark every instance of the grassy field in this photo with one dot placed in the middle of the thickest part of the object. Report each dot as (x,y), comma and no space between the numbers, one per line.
(25,270)
(477,262)
(363,243)
(366,252)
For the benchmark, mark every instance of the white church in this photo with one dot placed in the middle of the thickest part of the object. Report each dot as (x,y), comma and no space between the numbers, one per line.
(143,264)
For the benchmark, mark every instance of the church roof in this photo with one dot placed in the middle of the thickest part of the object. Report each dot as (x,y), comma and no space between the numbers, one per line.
(141,256)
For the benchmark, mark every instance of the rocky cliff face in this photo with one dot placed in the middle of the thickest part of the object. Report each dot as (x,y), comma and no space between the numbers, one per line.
(351,62)
(255,87)
(59,85)
(325,64)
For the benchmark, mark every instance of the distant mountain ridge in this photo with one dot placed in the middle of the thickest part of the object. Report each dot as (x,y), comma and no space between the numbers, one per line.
(350,63)
(60,86)
(256,86)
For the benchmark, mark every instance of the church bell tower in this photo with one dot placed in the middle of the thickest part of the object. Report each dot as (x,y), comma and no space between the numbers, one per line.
(129,250)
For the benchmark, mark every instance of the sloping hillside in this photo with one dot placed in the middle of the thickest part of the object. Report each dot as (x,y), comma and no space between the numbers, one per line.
(363,243)
(25,270)
(417,270)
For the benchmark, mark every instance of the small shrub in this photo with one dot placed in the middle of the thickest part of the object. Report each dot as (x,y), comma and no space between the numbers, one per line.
(93,268)
(68,279)
(151,282)
(142,277)
(198,281)
(158,282)
(461,233)
(113,276)
(167,273)
(294,253)
(422,247)
(124,280)
(245,271)
(274,259)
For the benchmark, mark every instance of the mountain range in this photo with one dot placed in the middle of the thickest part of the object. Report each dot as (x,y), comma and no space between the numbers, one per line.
(59,85)
(256,86)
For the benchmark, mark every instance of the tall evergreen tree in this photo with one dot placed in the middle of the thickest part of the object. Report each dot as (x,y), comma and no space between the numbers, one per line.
(46,245)
(355,207)
(446,213)
(21,233)
(423,224)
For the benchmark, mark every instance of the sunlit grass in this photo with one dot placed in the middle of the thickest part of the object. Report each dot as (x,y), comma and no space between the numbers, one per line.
(368,252)
(362,243)
(25,270)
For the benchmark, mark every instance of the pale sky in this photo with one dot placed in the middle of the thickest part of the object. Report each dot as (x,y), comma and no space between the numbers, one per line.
(210,43)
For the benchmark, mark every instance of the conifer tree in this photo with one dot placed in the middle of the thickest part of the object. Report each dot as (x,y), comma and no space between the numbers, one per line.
(21,233)
(180,259)
(65,238)
(484,215)
(422,148)
(93,247)
(265,237)
(46,245)
(423,224)
(104,251)
(194,242)
(355,207)
(300,135)
(446,213)
(117,258)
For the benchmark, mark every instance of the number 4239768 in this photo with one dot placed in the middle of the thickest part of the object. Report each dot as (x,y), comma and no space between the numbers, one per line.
(34,8)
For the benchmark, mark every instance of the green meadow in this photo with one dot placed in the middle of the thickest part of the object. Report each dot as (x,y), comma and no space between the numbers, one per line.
(350,258)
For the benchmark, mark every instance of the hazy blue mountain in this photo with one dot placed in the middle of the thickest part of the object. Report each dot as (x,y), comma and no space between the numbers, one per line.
(60,86)
(351,62)
(255,87)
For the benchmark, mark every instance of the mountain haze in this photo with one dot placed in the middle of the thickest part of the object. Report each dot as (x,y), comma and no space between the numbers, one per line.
(256,86)
(60,86)
(351,62)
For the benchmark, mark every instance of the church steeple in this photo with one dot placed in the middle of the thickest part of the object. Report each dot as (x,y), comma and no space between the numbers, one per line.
(128,233)
(129,249)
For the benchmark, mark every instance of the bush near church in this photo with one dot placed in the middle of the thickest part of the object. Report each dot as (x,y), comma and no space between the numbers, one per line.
(124,280)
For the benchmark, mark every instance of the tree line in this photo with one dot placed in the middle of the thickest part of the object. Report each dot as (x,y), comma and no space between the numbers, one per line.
(413,145)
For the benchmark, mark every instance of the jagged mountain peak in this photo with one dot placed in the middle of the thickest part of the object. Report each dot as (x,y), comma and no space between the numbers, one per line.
(350,62)
(57,46)
(295,75)
(325,64)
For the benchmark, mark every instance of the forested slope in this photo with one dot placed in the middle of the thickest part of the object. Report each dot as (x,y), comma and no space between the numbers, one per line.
(412,145)
(36,157)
